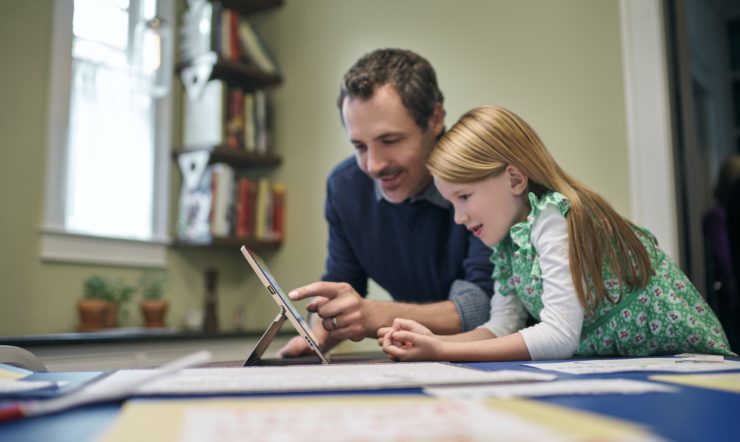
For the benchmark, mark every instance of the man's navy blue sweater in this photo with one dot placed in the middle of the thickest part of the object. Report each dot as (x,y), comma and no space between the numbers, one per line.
(414,250)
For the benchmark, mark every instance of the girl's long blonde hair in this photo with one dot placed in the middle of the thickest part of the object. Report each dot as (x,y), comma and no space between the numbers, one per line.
(487,139)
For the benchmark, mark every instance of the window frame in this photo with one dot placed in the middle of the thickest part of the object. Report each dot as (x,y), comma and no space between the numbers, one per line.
(648,118)
(58,244)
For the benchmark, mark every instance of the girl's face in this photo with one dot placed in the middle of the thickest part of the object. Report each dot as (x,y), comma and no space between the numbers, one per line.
(489,207)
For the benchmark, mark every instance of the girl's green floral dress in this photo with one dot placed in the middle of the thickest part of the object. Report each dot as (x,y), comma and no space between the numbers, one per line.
(668,316)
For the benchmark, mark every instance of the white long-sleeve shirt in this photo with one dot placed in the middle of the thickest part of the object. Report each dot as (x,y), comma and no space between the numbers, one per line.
(558,334)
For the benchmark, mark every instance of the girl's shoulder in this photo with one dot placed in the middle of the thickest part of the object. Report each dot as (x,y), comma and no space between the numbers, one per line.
(549,199)
(520,232)
(517,246)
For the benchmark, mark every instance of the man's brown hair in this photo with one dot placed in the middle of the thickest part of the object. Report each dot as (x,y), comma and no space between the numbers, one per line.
(409,73)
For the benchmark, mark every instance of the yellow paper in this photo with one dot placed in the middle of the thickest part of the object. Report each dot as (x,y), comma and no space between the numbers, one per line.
(573,424)
(166,420)
(11,374)
(162,420)
(717,381)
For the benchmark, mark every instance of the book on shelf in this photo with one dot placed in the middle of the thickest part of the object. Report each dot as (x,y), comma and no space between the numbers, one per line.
(216,202)
(262,206)
(254,49)
(222,185)
(256,124)
(250,125)
(235,117)
(227,116)
(261,122)
(278,211)
(210,27)
(247,194)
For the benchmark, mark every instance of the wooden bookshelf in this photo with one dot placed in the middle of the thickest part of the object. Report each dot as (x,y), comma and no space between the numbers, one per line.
(229,242)
(236,158)
(251,6)
(239,74)
(231,151)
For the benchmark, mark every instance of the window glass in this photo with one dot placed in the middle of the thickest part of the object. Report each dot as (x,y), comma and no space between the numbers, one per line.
(110,140)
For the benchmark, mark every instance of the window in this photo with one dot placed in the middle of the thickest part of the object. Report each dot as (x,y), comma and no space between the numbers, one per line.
(106,198)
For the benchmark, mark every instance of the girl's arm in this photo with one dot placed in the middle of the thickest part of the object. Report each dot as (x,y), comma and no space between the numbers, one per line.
(555,337)
(403,345)
(477,334)
(506,348)
(507,316)
(558,334)
(408,340)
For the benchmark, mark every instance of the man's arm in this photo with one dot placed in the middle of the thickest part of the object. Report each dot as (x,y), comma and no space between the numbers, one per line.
(440,317)
(472,295)
(347,315)
(341,265)
(467,307)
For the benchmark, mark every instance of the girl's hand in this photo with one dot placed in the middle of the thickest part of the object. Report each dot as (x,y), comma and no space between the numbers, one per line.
(411,325)
(382,331)
(402,324)
(402,345)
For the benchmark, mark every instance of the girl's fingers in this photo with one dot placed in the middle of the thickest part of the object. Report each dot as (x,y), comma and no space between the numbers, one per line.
(407,337)
(382,331)
(393,351)
(403,324)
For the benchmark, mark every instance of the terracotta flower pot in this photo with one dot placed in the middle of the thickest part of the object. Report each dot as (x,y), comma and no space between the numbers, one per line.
(111,316)
(153,312)
(93,314)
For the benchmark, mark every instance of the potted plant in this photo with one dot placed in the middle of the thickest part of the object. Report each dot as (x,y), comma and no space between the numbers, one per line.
(121,294)
(153,307)
(95,304)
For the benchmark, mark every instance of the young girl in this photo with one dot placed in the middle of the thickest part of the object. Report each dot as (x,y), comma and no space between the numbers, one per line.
(597,284)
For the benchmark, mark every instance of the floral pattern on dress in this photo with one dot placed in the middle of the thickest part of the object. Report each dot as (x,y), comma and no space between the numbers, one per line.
(668,316)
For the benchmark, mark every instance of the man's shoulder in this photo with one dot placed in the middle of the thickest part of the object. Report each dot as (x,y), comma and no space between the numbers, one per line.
(347,175)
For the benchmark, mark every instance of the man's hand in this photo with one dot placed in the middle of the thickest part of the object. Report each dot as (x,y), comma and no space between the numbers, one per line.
(344,313)
(297,346)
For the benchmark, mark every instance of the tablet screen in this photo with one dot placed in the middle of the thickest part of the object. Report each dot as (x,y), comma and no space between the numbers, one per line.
(282,294)
(281,298)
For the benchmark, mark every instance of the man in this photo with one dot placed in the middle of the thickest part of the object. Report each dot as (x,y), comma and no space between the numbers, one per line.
(386,219)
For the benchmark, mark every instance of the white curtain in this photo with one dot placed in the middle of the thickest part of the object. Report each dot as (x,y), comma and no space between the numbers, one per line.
(111,154)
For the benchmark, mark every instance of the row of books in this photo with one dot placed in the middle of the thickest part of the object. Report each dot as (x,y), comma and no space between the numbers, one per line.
(209,27)
(229,116)
(220,203)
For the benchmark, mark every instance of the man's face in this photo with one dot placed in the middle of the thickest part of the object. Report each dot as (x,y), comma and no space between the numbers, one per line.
(389,146)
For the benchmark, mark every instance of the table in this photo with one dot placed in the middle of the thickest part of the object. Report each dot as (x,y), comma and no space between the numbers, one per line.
(690,415)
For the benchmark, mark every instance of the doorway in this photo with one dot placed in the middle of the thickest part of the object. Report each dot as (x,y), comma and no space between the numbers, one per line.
(703,39)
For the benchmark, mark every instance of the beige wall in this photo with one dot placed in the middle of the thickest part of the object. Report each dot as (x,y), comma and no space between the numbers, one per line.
(557,64)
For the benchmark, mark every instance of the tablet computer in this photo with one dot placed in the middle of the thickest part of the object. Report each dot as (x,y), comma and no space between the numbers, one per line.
(288,310)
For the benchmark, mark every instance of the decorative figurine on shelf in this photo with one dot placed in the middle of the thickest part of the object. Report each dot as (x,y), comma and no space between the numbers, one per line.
(210,324)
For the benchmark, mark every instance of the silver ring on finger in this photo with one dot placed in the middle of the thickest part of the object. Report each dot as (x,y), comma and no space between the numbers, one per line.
(334,325)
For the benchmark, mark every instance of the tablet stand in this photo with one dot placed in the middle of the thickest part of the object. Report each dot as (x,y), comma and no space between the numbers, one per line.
(266,339)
